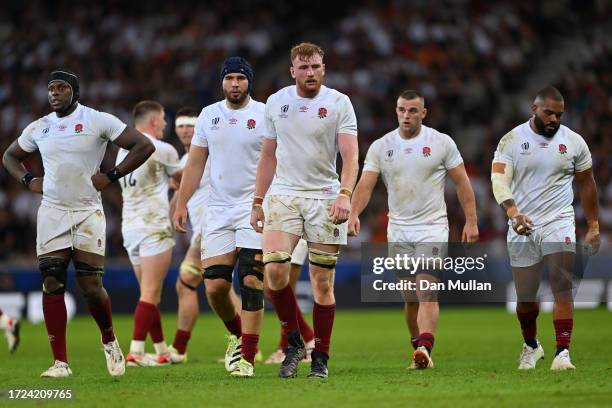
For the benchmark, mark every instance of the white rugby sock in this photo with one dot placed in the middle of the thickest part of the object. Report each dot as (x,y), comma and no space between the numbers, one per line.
(137,347)
(161,347)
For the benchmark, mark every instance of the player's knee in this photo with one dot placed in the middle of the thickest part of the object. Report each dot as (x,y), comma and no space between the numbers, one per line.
(54,272)
(277,273)
(250,273)
(189,278)
(322,259)
(250,268)
(91,287)
(322,284)
(216,288)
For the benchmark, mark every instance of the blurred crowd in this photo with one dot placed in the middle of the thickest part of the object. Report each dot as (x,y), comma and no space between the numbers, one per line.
(468,58)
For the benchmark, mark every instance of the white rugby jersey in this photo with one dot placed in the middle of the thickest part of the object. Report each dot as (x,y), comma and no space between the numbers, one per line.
(306,132)
(414,172)
(72,148)
(145,190)
(233,138)
(197,202)
(543,170)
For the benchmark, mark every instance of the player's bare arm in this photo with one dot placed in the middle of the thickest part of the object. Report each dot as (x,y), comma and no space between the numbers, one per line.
(501,176)
(349,151)
(140,149)
(265,173)
(12,160)
(587,190)
(465,194)
(190,180)
(361,198)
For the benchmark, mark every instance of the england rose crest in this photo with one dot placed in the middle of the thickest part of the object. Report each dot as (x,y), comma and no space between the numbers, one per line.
(426,151)
(322,113)
(562,149)
(78,128)
(251,124)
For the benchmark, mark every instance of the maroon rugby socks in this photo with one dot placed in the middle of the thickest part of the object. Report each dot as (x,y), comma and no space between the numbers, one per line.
(323,322)
(54,310)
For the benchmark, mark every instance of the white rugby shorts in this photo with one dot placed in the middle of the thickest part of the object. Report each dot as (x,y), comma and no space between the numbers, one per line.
(550,238)
(305,217)
(60,229)
(228,228)
(139,243)
(416,241)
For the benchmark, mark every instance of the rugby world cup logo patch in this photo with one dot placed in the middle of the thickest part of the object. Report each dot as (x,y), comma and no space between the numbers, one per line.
(322,113)
(214,122)
(251,124)
(389,155)
(284,109)
(426,151)
(562,149)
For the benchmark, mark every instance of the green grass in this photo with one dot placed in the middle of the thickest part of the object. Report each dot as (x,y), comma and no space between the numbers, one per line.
(475,355)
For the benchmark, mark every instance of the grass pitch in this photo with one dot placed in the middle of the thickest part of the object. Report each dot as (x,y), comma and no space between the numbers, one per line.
(475,355)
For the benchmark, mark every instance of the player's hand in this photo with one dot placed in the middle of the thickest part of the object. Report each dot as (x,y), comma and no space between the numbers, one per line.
(179,219)
(173,184)
(592,240)
(257,218)
(470,233)
(36,185)
(354,225)
(339,211)
(522,224)
(100,181)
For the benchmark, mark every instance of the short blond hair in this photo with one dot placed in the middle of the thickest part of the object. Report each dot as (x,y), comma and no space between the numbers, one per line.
(306,50)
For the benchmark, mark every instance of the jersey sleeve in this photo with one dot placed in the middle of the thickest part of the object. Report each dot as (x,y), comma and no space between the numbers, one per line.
(168,157)
(199,135)
(347,120)
(269,128)
(26,140)
(583,160)
(452,158)
(372,160)
(503,153)
(108,126)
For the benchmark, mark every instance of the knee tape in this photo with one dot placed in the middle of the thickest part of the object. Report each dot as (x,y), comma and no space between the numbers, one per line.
(54,267)
(276,256)
(323,259)
(83,269)
(250,263)
(188,286)
(252,299)
(219,272)
(190,268)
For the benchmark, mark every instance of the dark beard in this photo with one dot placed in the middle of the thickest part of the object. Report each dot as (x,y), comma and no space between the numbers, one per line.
(238,100)
(541,128)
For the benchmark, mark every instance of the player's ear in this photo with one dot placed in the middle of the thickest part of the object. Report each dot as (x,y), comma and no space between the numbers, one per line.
(424,113)
(323,66)
(292,71)
(534,108)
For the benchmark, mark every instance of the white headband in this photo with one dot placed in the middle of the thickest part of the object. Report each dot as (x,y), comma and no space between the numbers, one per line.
(185,120)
